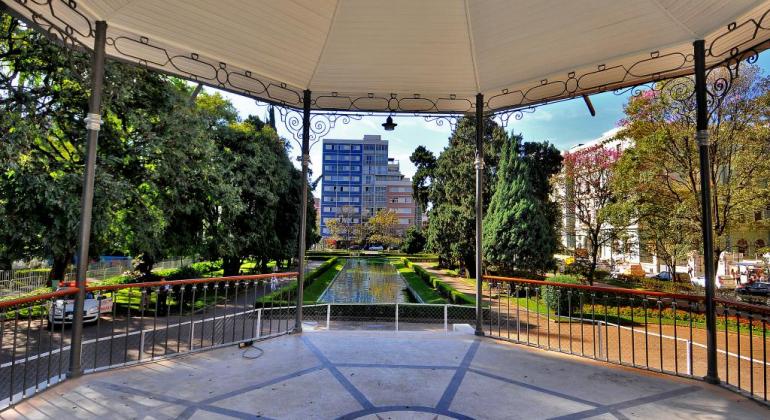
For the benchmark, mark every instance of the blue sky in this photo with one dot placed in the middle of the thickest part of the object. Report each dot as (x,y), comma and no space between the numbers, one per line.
(564,124)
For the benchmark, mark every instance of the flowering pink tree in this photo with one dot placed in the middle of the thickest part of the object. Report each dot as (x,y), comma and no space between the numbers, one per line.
(587,191)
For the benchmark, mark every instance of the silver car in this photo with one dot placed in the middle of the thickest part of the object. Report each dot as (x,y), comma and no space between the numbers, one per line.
(61,311)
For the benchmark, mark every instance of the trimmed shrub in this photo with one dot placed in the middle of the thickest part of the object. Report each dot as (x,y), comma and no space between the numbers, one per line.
(562,300)
(444,289)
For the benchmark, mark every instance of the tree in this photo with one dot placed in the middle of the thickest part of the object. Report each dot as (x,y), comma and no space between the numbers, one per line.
(382,228)
(342,228)
(587,177)
(661,173)
(425,162)
(451,192)
(518,234)
(173,177)
(414,241)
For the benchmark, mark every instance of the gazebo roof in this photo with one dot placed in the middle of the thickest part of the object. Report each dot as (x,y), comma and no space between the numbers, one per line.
(430,56)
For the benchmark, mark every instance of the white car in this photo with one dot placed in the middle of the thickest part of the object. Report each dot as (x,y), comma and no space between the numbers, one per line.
(61,311)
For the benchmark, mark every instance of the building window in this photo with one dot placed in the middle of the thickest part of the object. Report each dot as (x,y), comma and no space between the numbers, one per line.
(328,146)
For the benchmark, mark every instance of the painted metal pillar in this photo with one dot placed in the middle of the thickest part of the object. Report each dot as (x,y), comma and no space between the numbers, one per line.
(303,215)
(479,210)
(705,189)
(93,124)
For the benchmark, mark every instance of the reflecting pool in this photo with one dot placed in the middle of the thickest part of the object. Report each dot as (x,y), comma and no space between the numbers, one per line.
(365,281)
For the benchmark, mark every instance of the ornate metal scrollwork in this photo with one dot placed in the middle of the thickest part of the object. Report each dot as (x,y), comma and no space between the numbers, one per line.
(72,25)
(680,91)
(441,119)
(504,117)
(321,123)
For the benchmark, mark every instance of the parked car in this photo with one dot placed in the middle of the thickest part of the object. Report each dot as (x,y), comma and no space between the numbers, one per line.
(759,288)
(669,276)
(61,311)
(376,248)
(757,293)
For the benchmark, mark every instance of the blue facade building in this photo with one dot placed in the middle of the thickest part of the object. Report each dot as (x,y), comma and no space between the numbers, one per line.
(360,180)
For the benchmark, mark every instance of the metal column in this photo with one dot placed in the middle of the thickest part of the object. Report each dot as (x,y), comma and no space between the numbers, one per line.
(303,216)
(479,209)
(705,184)
(93,123)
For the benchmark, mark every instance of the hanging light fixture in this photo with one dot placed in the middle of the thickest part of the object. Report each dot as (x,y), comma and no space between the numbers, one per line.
(389,125)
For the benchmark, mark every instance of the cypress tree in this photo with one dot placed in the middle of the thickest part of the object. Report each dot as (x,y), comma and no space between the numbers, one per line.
(517,232)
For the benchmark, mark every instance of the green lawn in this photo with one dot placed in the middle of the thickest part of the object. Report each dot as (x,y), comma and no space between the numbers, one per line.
(427,294)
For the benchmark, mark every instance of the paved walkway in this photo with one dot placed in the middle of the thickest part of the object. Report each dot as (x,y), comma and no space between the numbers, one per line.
(383,375)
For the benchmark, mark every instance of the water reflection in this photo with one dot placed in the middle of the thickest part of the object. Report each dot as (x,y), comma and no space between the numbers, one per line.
(365,281)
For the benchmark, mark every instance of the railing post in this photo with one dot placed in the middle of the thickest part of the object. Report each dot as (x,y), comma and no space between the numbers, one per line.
(93,124)
(689,357)
(192,333)
(303,215)
(328,316)
(141,345)
(479,209)
(446,318)
(396,316)
(259,323)
(601,341)
(702,136)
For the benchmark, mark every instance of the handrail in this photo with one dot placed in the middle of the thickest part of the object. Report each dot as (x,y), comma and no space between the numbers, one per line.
(693,298)
(744,306)
(72,290)
(35,298)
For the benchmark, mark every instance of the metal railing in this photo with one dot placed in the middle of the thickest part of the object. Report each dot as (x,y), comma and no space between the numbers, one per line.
(134,323)
(655,331)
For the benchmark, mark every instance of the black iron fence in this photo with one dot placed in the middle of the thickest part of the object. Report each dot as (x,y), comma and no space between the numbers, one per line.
(655,331)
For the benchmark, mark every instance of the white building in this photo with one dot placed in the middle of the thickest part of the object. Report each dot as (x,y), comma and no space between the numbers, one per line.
(625,248)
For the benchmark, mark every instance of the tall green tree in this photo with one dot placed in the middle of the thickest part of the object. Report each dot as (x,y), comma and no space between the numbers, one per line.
(518,234)
(451,191)
(174,177)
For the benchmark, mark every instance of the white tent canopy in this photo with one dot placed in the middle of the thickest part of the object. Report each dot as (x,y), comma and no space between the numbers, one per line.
(429,56)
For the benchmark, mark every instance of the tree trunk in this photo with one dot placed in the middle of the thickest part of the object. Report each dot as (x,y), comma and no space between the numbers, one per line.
(264,265)
(231,266)
(60,263)
(470,265)
(145,267)
(594,257)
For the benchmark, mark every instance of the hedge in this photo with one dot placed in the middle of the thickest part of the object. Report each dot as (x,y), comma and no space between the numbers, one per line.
(427,293)
(443,288)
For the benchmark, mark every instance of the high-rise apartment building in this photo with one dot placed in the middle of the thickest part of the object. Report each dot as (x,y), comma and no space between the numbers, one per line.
(359,180)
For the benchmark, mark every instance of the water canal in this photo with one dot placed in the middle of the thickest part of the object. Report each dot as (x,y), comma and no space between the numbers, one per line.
(367,280)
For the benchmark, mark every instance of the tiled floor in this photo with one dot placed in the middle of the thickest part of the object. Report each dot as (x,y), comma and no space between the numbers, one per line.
(359,374)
